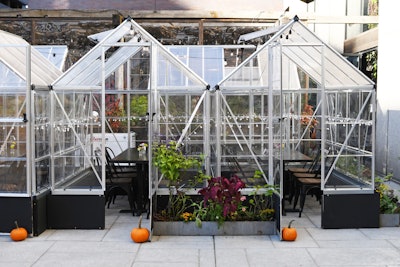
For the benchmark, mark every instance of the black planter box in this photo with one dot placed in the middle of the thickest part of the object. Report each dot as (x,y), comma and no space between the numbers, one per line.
(29,212)
(40,213)
(75,212)
(15,209)
(350,211)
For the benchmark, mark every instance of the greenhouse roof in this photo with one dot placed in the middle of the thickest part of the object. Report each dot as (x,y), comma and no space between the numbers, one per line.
(13,58)
(294,44)
(119,45)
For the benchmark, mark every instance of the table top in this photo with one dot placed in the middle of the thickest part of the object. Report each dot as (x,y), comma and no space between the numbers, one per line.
(294,155)
(290,155)
(131,155)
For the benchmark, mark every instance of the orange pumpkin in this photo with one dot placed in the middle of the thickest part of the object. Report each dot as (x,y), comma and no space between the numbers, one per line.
(140,235)
(289,233)
(19,233)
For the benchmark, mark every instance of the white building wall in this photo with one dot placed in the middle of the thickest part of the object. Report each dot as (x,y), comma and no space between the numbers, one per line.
(334,34)
(354,8)
(388,90)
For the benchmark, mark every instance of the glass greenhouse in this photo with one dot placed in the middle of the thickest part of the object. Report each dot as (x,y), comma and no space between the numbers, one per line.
(240,108)
(25,130)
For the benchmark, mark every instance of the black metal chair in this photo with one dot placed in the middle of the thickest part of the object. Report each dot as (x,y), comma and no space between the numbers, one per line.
(119,180)
(308,182)
(307,185)
(308,167)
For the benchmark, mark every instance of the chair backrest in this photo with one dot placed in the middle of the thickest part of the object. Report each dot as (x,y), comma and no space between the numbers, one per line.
(328,163)
(315,166)
(111,167)
(97,158)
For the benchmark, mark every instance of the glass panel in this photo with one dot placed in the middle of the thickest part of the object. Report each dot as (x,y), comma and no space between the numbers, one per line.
(41,128)
(74,139)
(9,78)
(13,110)
(139,106)
(13,157)
(247,75)
(140,70)
(56,54)
(205,61)
(349,138)
(174,114)
(13,143)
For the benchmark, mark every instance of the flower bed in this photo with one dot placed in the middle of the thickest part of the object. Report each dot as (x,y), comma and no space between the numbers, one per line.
(219,208)
(212,228)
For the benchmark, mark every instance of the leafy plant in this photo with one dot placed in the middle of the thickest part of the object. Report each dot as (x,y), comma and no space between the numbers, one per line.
(170,160)
(177,207)
(389,202)
(139,108)
(223,194)
(221,198)
(260,203)
(223,201)
(372,64)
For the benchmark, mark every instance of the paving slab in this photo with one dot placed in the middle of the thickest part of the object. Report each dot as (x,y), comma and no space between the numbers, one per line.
(113,246)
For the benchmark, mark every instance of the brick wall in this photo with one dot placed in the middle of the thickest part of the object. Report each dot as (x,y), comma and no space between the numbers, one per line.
(74,32)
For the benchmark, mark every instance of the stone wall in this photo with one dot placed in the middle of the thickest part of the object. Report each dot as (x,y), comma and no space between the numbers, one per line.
(74,32)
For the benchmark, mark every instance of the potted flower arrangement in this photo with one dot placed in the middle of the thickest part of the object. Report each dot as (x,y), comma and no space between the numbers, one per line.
(222,210)
(142,148)
(389,202)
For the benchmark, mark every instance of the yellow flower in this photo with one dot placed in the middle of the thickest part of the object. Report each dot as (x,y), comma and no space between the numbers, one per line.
(13,145)
(187,216)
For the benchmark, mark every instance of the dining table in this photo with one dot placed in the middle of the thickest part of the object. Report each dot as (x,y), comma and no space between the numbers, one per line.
(132,157)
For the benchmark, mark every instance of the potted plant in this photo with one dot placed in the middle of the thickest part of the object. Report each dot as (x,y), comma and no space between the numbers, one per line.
(142,148)
(307,120)
(389,202)
(115,114)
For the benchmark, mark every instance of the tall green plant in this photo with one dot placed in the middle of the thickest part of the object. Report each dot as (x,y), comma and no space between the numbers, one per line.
(170,160)
(139,107)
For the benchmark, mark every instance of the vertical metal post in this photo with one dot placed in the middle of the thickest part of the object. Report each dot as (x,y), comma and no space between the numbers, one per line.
(270,116)
(30,167)
(218,125)
(103,115)
(323,119)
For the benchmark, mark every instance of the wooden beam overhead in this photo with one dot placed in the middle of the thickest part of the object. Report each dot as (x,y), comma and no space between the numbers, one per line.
(363,42)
